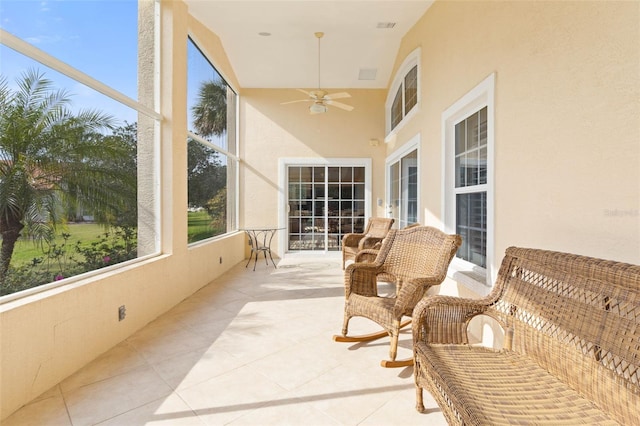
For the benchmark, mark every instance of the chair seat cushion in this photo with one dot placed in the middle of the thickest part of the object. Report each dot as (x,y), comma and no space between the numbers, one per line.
(502,387)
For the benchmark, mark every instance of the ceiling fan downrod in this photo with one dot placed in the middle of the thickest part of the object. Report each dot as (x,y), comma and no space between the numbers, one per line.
(319,35)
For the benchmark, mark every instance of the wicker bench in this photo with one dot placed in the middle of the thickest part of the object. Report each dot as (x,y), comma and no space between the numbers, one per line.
(571,352)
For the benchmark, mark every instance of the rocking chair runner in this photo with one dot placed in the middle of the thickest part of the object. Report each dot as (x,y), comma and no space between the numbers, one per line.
(415,259)
(377,228)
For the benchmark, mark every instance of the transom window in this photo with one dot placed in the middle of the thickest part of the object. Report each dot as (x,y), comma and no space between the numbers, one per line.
(404,95)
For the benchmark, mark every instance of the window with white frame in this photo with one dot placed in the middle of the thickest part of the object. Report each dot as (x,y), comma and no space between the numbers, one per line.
(468,192)
(470,187)
(211,149)
(79,129)
(404,93)
(402,184)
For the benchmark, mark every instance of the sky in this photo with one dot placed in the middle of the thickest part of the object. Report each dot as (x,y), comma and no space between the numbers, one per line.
(98,37)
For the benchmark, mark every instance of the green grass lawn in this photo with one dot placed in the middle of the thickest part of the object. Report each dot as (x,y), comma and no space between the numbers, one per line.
(31,266)
(26,249)
(199,226)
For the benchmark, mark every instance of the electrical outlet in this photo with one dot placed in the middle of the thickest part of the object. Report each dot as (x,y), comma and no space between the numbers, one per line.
(122,312)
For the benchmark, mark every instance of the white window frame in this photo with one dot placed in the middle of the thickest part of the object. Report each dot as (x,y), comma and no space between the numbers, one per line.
(283,213)
(483,95)
(412,145)
(412,60)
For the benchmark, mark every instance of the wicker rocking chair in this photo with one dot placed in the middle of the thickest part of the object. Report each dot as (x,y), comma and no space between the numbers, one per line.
(415,259)
(377,228)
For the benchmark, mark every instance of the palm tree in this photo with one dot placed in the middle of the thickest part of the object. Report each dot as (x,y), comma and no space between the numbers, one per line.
(210,112)
(50,157)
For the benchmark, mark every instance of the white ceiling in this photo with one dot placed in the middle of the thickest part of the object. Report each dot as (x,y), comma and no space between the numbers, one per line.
(288,58)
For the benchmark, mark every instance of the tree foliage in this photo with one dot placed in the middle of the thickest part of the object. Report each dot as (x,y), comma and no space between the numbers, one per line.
(210,111)
(52,158)
(206,173)
(206,176)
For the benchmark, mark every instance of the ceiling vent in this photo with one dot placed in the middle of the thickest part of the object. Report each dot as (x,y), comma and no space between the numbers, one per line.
(367,73)
(383,25)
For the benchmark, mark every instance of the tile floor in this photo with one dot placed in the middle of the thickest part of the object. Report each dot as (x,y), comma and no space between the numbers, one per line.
(251,348)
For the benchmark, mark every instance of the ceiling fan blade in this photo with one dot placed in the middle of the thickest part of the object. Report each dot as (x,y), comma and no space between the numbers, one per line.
(293,102)
(337,95)
(339,105)
(305,92)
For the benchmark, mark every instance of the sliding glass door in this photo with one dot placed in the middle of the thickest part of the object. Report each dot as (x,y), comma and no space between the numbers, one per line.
(324,203)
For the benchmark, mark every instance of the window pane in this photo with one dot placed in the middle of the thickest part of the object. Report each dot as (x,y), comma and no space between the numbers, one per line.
(334,174)
(294,191)
(334,191)
(482,165)
(358,174)
(403,189)
(294,174)
(395,192)
(318,174)
(305,191)
(410,89)
(306,174)
(334,208)
(461,137)
(211,174)
(472,132)
(207,101)
(396,109)
(346,192)
(318,190)
(471,150)
(471,225)
(207,192)
(94,149)
(346,174)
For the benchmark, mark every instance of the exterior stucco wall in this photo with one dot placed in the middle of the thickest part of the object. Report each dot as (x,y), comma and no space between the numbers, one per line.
(567,117)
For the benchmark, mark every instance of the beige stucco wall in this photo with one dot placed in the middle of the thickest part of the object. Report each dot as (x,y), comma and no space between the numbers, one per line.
(567,117)
(47,337)
(567,121)
(271,131)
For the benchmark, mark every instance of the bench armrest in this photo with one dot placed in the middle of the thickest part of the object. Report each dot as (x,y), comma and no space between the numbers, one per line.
(444,319)
(410,292)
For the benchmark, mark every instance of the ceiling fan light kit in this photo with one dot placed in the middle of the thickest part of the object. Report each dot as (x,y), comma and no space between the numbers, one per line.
(317,108)
(321,99)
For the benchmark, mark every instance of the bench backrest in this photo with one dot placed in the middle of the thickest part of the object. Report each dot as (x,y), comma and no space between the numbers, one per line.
(579,318)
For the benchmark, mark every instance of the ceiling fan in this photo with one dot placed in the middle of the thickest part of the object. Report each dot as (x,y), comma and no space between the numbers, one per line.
(320,99)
